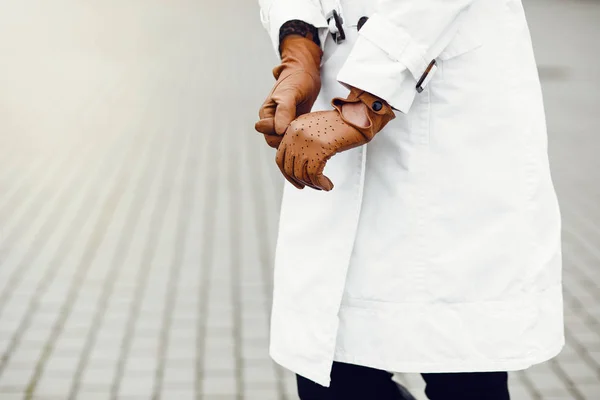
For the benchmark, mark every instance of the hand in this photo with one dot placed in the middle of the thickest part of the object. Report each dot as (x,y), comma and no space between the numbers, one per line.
(297,87)
(312,139)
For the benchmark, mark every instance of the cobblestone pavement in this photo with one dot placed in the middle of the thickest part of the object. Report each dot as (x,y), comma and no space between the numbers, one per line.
(138,209)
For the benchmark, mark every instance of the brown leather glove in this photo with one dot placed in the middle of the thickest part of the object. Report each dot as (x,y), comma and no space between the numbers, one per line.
(297,87)
(314,138)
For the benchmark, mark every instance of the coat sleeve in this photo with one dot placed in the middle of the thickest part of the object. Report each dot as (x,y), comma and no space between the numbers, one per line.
(274,13)
(396,45)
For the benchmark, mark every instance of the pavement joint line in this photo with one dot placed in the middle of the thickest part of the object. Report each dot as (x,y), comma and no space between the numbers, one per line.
(207,261)
(93,243)
(118,259)
(157,220)
(186,207)
(231,173)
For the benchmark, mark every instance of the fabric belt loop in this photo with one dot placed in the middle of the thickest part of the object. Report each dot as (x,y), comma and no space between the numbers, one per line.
(332,10)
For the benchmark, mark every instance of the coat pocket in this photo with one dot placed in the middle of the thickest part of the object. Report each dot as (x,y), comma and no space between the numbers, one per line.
(468,37)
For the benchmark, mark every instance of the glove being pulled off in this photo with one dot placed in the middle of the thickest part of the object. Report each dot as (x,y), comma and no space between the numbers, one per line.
(312,139)
(297,87)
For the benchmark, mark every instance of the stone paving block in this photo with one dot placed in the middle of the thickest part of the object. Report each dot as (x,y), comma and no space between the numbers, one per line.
(178,394)
(47,397)
(219,385)
(54,386)
(109,355)
(216,362)
(91,395)
(148,343)
(222,397)
(15,378)
(590,391)
(98,377)
(177,376)
(35,336)
(25,355)
(187,332)
(137,385)
(12,396)
(146,364)
(261,394)
(259,374)
(250,354)
(62,364)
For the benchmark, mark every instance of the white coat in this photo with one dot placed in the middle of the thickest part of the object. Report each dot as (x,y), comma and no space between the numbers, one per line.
(438,250)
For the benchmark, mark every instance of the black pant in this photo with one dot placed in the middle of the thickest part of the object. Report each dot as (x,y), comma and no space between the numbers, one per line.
(354,382)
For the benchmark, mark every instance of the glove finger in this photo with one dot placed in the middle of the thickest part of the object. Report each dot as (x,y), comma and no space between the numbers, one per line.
(266,126)
(273,140)
(299,168)
(315,173)
(280,159)
(306,177)
(289,168)
(267,109)
(284,115)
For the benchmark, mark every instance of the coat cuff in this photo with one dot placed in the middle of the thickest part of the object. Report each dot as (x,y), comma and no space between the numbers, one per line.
(372,69)
(281,11)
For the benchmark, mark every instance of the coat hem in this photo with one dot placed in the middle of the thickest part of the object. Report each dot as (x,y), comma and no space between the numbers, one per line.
(482,366)
(297,368)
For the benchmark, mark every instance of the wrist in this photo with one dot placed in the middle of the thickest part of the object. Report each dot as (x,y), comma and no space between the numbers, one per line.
(299,28)
(356,113)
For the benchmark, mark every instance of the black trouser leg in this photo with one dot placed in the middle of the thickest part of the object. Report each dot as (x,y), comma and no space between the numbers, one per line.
(467,386)
(351,382)
(354,382)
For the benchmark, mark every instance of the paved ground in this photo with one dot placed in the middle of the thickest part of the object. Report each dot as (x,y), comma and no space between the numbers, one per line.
(138,209)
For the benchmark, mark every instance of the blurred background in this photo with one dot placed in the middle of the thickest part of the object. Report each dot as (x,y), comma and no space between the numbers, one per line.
(138,207)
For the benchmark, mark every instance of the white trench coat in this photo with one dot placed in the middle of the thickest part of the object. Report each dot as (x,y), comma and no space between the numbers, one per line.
(438,250)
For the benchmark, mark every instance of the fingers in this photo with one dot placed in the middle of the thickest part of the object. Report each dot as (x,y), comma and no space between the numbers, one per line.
(273,140)
(315,173)
(284,115)
(266,126)
(276,114)
(288,166)
(299,172)
(283,163)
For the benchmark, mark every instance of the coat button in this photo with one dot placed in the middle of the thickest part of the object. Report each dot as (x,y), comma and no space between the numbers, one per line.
(377,106)
(361,22)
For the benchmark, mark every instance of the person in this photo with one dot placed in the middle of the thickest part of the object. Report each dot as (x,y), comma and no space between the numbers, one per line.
(419,228)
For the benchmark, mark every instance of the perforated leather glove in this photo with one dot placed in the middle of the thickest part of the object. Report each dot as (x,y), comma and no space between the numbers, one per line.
(297,87)
(314,138)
